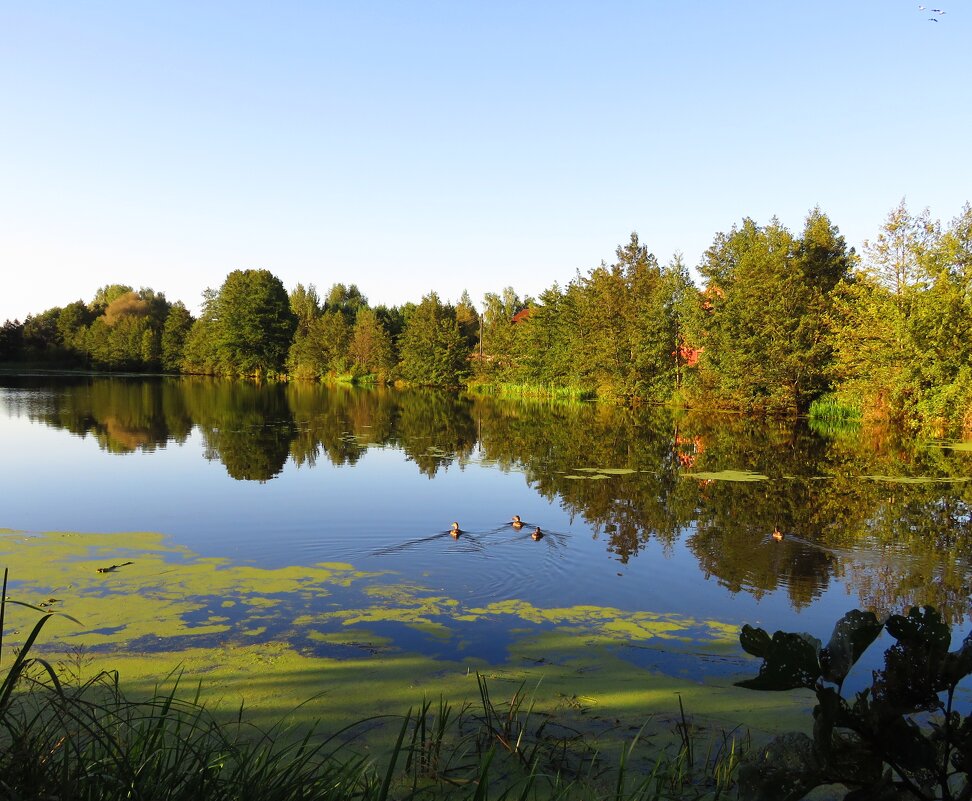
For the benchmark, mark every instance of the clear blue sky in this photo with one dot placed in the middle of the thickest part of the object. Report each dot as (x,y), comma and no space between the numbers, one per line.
(414,146)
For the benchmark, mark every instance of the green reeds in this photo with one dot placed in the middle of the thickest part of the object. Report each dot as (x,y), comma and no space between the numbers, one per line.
(532,391)
(830,416)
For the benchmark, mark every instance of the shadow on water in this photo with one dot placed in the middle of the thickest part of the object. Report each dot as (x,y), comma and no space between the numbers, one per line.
(892,519)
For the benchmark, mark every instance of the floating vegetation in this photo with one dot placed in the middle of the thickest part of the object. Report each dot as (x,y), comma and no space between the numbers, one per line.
(601,472)
(920,479)
(354,643)
(727,475)
(962,447)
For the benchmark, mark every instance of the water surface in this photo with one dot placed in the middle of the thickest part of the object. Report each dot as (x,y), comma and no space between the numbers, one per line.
(649,519)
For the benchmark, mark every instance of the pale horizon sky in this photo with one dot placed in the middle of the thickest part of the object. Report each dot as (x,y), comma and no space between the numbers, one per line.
(411,147)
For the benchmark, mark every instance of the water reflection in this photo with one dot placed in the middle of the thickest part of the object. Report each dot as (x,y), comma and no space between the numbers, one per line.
(891,519)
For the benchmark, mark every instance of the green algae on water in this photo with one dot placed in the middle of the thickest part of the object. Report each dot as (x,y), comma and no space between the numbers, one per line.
(239,631)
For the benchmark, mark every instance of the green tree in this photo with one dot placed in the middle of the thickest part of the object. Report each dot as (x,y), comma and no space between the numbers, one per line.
(432,349)
(252,323)
(768,301)
(12,341)
(468,319)
(895,259)
(199,351)
(499,352)
(370,349)
(178,323)
(902,330)
(681,309)
(345,299)
(625,313)
(321,350)
(41,336)
(305,304)
(548,338)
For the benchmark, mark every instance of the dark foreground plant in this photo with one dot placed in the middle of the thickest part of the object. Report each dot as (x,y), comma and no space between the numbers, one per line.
(901,738)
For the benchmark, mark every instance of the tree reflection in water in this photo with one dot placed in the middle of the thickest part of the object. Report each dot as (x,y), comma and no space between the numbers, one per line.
(635,476)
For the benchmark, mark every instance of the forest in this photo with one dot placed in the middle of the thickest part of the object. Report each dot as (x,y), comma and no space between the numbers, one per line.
(783,323)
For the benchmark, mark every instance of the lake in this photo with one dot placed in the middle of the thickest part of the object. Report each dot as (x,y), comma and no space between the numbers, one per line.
(304,525)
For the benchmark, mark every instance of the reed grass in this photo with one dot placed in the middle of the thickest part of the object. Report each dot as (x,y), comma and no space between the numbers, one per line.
(828,409)
(65,738)
(543,391)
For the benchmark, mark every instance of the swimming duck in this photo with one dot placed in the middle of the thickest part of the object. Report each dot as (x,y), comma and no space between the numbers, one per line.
(536,535)
(455,531)
(777,534)
(517,523)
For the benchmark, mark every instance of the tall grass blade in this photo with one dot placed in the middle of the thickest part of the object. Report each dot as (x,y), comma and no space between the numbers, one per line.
(482,782)
(386,783)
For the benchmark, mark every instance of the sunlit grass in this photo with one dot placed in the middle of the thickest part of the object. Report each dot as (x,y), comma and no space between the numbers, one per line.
(829,416)
(542,391)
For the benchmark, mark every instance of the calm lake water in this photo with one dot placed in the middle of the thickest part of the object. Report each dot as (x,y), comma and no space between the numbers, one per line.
(643,512)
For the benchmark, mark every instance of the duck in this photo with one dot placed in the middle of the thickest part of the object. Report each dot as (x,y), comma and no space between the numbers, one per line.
(455,531)
(516,522)
(536,535)
(777,534)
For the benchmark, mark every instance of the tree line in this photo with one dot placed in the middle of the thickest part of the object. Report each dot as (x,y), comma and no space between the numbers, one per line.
(783,323)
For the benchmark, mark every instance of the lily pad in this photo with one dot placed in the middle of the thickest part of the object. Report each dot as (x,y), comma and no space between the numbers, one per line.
(919,479)
(602,472)
(965,447)
(727,475)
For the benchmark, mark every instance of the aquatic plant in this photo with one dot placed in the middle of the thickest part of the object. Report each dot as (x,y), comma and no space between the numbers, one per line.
(541,391)
(899,738)
(831,417)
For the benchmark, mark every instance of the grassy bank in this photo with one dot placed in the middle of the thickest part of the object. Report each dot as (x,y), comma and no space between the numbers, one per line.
(543,391)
